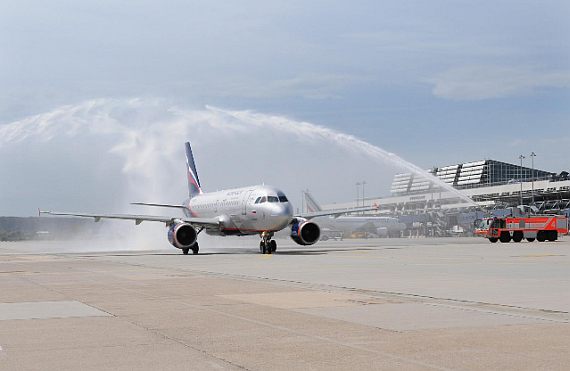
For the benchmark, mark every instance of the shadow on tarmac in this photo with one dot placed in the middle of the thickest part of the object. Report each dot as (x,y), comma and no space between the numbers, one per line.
(234,252)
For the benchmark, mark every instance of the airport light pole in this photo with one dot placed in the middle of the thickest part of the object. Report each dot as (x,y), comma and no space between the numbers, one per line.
(357,193)
(521,157)
(363,183)
(532,156)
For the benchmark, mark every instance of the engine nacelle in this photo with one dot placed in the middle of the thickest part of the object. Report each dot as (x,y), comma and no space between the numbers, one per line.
(305,232)
(182,235)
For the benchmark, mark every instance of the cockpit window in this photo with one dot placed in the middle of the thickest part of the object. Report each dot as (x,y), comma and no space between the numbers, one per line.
(273,199)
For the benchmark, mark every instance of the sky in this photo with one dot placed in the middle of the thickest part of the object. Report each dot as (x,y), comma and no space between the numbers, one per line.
(436,82)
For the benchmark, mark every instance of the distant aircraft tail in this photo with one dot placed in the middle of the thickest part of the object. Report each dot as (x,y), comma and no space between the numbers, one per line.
(194,187)
(312,205)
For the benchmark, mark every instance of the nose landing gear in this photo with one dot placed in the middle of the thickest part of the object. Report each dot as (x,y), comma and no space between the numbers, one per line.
(267,245)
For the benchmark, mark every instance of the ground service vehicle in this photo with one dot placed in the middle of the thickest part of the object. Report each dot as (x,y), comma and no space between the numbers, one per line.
(331,234)
(539,227)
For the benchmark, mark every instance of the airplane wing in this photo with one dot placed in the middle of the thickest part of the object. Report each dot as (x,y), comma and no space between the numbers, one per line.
(138,219)
(158,205)
(336,212)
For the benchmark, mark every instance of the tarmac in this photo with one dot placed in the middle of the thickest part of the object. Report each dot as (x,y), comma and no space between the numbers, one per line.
(413,304)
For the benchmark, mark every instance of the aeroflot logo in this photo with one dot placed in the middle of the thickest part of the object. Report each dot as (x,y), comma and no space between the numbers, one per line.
(190,170)
(192,177)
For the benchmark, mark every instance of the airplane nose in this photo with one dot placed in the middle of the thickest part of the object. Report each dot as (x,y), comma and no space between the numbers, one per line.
(282,210)
(281,215)
(287,210)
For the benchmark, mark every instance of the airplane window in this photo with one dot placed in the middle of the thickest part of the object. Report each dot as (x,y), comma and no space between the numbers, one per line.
(258,200)
(272,199)
(282,197)
(263,199)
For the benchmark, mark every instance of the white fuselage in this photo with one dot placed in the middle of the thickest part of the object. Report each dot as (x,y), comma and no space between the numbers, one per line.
(353,223)
(242,211)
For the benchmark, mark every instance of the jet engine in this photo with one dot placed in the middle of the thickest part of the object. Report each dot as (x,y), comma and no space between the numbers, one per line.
(182,235)
(305,232)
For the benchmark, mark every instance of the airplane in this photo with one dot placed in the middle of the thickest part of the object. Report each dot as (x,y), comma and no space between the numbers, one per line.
(380,225)
(252,210)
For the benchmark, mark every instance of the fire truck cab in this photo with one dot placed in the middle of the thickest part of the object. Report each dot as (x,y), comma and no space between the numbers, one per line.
(538,227)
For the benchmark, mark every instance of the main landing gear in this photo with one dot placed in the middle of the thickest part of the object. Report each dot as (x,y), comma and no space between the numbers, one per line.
(267,245)
(195,248)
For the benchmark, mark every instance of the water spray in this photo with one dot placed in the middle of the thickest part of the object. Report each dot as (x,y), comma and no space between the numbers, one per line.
(141,130)
(340,139)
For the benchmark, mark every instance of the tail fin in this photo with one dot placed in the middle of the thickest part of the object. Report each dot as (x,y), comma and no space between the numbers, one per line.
(312,205)
(194,187)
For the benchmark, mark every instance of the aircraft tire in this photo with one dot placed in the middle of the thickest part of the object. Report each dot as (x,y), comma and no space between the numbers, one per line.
(273,245)
(195,248)
(185,251)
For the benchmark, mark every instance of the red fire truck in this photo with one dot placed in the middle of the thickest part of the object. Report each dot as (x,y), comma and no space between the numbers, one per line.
(539,227)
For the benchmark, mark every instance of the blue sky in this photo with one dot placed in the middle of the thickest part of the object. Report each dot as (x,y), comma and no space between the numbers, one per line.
(436,82)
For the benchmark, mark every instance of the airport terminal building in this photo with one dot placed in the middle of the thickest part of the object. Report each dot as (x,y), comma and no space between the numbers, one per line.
(495,186)
(491,184)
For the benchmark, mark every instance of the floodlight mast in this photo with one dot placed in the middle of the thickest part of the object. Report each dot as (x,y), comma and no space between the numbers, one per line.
(521,157)
(532,156)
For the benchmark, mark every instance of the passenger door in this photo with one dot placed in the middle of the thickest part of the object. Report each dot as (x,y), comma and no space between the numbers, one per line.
(247,200)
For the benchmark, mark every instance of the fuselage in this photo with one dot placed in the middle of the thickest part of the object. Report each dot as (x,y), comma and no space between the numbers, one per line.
(375,224)
(243,211)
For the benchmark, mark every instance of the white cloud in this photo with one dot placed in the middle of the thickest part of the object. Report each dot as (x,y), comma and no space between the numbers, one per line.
(489,82)
(518,142)
(309,86)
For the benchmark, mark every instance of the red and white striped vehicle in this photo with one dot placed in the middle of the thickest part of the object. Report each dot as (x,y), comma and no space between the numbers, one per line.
(539,227)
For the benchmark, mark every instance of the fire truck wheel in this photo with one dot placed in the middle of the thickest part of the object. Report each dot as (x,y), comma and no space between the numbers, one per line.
(552,236)
(505,237)
(540,236)
(493,239)
(518,236)
(530,239)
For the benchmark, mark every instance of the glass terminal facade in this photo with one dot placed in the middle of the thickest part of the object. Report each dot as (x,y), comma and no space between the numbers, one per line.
(482,173)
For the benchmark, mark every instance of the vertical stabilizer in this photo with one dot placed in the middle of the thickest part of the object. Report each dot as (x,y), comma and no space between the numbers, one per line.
(194,187)
(312,205)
